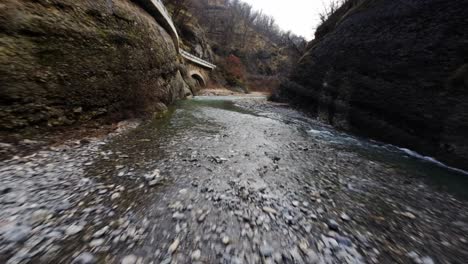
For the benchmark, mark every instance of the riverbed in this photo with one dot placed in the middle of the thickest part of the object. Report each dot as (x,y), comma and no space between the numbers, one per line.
(232,180)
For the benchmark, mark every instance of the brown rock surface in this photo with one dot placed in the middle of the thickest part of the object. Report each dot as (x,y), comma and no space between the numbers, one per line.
(63,61)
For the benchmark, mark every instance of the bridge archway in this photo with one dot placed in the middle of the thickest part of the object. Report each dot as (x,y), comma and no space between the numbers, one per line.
(199,79)
(199,75)
(199,69)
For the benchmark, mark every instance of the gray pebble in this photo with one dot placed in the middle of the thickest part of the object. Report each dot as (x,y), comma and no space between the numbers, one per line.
(85,258)
(129,259)
(196,255)
(333,225)
(73,230)
(266,250)
(16,233)
(97,242)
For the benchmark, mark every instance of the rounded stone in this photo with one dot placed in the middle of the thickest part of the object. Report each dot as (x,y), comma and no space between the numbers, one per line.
(129,259)
(85,258)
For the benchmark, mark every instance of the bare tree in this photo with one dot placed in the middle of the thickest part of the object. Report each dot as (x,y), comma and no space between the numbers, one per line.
(330,8)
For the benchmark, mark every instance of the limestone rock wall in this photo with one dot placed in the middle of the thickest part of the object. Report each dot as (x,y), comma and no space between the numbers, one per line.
(393,70)
(63,61)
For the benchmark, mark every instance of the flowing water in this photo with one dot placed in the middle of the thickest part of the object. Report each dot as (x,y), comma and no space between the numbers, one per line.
(226,159)
(232,180)
(199,116)
(435,173)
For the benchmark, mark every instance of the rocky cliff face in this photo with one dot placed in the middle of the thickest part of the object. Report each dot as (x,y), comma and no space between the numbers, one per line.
(194,39)
(63,61)
(393,70)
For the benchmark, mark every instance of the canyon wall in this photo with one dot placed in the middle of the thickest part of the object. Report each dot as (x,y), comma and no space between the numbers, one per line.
(66,61)
(396,71)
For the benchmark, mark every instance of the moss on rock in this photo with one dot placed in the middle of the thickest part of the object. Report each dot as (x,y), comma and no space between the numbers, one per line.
(101,57)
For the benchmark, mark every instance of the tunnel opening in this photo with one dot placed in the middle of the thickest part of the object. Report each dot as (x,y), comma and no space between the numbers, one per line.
(199,80)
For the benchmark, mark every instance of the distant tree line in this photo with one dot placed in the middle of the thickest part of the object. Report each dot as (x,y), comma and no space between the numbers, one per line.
(237,22)
(252,51)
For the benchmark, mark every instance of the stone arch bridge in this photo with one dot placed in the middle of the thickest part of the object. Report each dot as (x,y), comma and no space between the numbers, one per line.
(197,68)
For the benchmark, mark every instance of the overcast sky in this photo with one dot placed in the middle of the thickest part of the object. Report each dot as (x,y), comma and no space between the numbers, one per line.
(299,16)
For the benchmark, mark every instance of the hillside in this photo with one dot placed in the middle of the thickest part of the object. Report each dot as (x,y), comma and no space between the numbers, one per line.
(249,48)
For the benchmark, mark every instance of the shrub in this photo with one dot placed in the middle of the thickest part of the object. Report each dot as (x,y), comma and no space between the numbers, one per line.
(234,72)
(235,67)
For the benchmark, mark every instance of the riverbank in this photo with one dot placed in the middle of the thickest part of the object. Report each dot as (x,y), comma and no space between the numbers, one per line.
(29,140)
(227,92)
(217,180)
(35,139)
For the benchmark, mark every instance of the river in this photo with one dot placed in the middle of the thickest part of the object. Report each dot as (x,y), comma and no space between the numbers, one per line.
(242,180)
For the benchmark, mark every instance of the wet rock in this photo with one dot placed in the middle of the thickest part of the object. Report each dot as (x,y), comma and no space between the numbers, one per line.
(266,250)
(295,256)
(101,232)
(202,217)
(176,206)
(173,247)
(289,218)
(345,217)
(156,182)
(30,142)
(153,175)
(85,258)
(193,156)
(218,159)
(415,257)
(12,197)
(39,216)
(97,242)
(408,215)
(167,260)
(427,260)
(226,240)
(330,242)
(73,230)
(85,141)
(313,217)
(178,216)
(129,259)
(196,255)
(5,146)
(62,206)
(333,225)
(344,241)
(15,233)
